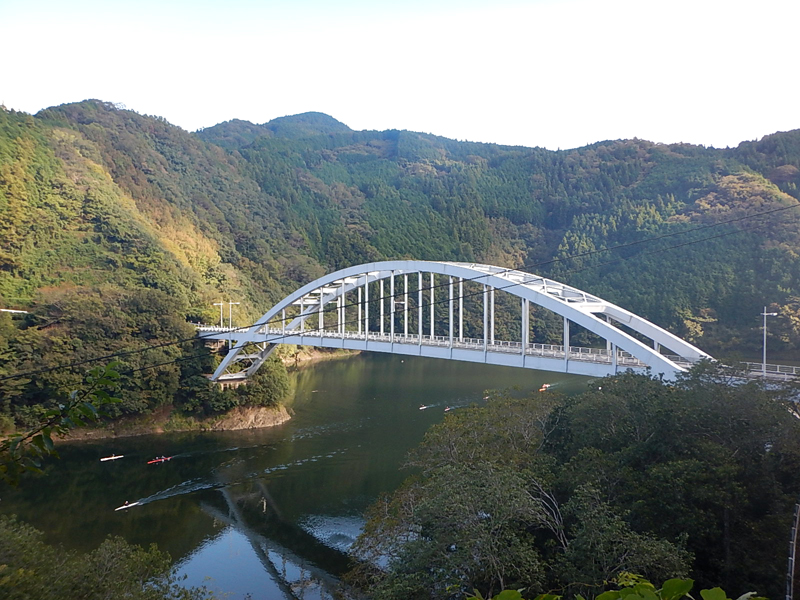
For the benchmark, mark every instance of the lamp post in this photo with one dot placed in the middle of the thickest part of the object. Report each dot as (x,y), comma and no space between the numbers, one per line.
(230,321)
(765,314)
(230,313)
(220,304)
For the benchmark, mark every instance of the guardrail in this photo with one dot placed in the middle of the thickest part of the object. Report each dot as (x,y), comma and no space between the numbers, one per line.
(579,353)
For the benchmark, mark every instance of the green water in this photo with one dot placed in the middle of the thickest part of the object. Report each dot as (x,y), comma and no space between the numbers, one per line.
(268,512)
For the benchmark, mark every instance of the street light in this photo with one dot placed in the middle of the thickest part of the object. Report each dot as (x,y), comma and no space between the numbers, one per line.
(230,321)
(230,313)
(765,314)
(220,304)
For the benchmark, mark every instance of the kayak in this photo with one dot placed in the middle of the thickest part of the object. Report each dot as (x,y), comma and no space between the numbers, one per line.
(112,457)
(159,460)
(423,407)
(124,506)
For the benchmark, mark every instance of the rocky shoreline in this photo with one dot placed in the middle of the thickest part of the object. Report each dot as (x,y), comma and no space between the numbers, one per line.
(165,420)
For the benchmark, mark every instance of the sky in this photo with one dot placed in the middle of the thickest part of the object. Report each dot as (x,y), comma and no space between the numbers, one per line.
(548,73)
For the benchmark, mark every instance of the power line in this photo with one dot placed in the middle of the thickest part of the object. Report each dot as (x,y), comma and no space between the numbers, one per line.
(439,302)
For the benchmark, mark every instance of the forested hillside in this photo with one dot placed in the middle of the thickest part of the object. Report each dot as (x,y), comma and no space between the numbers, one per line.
(560,494)
(118,228)
(356,196)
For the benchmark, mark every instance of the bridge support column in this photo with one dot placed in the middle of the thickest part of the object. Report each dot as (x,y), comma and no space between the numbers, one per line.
(460,309)
(391,310)
(419,308)
(343,305)
(525,326)
(359,311)
(366,310)
(451,317)
(382,309)
(485,321)
(432,305)
(566,345)
(405,305)
(321,326)
(614,353)
(302,319)
(491,315)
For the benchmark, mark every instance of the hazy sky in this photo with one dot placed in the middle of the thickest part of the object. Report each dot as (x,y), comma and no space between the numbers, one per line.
(552,73)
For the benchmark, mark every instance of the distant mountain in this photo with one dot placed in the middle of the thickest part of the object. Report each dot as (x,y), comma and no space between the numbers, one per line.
(232,134)
(236,133)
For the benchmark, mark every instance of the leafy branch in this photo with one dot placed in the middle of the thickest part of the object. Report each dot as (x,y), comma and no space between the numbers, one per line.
(23,452)
(634,587)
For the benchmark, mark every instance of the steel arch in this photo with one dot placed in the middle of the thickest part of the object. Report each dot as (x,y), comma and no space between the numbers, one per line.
(572,304)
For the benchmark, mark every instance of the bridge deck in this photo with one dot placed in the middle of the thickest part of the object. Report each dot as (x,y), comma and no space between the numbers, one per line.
(498,352)
(581,360)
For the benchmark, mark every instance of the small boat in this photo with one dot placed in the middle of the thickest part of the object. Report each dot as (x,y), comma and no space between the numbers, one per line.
(159,459)
(447,409)
(126,505)
(545,387)
(112,457)
(423,407)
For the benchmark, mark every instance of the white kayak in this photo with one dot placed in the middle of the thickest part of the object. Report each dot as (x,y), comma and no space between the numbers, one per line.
(124,506)
(112,457)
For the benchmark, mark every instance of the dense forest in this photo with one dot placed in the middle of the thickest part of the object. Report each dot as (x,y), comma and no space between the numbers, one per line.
(118,229)
(560,494)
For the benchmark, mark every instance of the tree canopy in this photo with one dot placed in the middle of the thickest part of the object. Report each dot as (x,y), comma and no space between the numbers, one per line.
(565,493)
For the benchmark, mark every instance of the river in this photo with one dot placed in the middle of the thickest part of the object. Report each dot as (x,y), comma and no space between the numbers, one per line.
(270,513)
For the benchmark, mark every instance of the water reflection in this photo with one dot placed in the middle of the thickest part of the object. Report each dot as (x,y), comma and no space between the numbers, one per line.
(270,512)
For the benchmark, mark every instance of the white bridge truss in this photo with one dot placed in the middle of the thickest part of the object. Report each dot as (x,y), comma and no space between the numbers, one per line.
(301,318)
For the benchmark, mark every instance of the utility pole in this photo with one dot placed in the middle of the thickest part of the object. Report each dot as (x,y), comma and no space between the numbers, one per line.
(230,321)
(220,304)
(765,314)
(792,549)
(230,313)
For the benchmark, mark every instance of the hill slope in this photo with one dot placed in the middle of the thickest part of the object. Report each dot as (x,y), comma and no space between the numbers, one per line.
(117,228)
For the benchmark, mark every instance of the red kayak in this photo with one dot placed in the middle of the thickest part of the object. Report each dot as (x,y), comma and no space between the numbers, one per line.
(160,459)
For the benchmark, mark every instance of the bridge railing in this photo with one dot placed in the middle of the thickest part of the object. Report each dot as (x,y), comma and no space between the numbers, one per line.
(772,371)
(579,353)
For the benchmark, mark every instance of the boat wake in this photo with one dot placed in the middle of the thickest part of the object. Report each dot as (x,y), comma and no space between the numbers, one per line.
(197,485)
(319,430)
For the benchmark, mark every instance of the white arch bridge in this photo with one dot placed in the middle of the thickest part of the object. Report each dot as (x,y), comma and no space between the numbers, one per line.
(417,308)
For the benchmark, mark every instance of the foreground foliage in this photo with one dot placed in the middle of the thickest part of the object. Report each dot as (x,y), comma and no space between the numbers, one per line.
(635,587)
(22,452)
(556,493)
(29,569)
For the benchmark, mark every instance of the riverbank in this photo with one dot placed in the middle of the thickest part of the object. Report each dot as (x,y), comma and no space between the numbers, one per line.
(167,419)
(309,355)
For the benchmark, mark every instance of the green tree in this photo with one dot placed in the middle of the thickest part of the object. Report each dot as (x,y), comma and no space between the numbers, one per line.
(694,477)
(22,452)
(29,568)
